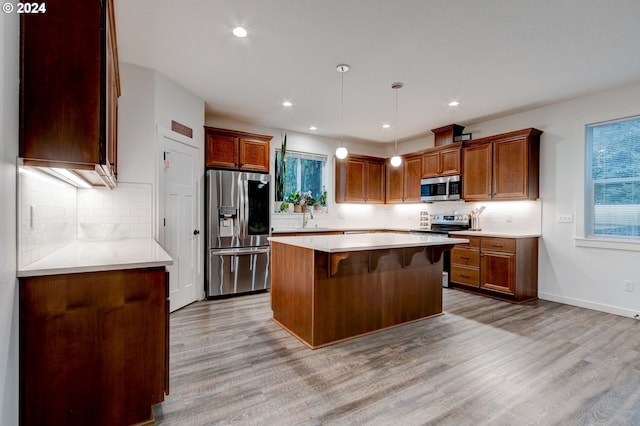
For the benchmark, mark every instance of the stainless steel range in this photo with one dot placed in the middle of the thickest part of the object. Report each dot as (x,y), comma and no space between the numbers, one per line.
(445,223)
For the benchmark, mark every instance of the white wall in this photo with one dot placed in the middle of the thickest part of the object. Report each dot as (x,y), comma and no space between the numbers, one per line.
(136,124)
(581,276)
(9,78)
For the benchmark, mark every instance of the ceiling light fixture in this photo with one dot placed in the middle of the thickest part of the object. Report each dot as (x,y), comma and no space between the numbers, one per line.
(286,104)
(454,103)
(396,160)
(386,126)
(239,32)
(342,152)
(313,128)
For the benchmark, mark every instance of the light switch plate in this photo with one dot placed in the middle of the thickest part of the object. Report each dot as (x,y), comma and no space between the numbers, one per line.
(564,217)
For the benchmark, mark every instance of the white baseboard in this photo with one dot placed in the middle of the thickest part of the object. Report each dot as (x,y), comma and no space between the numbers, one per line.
(589,305)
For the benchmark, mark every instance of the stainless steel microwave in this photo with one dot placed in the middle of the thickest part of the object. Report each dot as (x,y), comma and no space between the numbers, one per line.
(445,188)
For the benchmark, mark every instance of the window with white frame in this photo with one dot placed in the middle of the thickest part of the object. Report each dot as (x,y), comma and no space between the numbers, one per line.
(304,172)
(613,179)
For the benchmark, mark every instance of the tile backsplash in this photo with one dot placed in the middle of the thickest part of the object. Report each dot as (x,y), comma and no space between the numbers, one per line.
(129,205)
(51,212)
(47,212)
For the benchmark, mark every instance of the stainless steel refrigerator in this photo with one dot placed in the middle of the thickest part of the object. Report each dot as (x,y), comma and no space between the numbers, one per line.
(238,228)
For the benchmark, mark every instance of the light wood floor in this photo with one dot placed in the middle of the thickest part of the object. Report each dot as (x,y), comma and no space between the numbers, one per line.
(484,362)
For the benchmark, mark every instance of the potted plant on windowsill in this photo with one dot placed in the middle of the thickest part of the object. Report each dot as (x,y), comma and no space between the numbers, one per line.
(280,175)
(295,198)
(321,204)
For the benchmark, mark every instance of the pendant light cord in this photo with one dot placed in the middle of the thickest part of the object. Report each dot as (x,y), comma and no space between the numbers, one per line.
(342,108)
(396,151)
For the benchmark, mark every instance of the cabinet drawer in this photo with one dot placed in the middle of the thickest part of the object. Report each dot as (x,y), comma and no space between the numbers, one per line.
(474,242)
(465,275)
(499,244)
(465,256)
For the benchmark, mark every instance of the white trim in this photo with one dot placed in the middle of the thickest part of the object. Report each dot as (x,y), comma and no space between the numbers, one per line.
(631,245)
(588,305)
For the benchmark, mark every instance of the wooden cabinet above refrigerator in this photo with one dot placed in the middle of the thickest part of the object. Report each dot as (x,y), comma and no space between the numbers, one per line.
(69,85)
(234,150)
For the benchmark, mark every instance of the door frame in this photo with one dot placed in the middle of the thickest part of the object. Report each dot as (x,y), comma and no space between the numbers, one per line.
(162,134)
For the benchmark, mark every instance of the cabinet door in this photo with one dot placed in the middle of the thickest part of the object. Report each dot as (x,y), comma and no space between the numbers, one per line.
(350,180)
(375,182)
(92,347)
(394,191)
(498,271)
(61,84)
(450,162)
(412,171)
(431,165)
(476,180)
(112,94)
(254,155)
(510,170)
(222,151)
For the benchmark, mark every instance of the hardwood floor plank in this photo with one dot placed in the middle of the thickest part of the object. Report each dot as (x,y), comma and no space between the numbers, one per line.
(484,362)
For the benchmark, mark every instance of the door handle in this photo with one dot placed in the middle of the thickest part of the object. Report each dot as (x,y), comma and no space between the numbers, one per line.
(196,232)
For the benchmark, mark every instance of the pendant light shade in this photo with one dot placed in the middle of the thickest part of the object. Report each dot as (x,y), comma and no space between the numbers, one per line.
(396,161)
(342,152)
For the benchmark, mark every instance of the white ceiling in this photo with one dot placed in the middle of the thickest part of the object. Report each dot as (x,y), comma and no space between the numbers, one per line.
(496,56)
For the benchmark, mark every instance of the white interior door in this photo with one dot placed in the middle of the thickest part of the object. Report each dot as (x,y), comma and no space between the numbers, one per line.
(180,225)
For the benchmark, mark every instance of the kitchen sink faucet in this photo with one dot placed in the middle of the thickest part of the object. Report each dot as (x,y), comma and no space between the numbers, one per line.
(305,220)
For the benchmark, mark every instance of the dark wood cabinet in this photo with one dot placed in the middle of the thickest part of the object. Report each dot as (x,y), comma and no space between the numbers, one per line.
(360,179)
(403,182)
(93,347)
(442,161)
(506,268)
(69,86)
(229,149)
(445,135)
(502,167)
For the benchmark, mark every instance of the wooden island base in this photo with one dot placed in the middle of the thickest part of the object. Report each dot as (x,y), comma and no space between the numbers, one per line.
(324,298)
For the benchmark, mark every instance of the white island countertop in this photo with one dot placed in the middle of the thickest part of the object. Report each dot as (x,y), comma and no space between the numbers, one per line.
(361,242)
(94,256)
(496,234)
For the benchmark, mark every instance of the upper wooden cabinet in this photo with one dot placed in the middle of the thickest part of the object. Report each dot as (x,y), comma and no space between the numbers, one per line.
(502,167)
(360,179)
(445,135)
(442,161)
(403,182)
(230,149)
(69,85)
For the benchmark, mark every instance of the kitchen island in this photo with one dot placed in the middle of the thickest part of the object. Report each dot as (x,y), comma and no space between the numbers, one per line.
(329,288)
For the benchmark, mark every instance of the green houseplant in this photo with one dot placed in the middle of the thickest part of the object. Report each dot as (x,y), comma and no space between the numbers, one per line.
(280,170)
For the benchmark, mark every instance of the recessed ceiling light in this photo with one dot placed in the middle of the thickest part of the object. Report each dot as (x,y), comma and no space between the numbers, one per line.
(239,32)
(286,104)
(386,126)
(454,103)
(313,128)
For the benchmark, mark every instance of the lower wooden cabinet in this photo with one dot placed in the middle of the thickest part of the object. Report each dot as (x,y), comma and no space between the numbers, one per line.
(93,347)
(506,268)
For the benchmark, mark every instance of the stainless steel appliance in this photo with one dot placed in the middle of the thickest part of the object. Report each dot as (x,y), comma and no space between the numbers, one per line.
(238,228)
(443,224)
(444,188)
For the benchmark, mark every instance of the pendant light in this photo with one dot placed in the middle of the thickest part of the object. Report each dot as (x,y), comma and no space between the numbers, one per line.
(396,160)
(342,152)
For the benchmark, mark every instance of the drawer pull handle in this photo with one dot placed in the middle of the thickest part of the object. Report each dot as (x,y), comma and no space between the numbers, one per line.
(496,245)
(465,276)
(464,257)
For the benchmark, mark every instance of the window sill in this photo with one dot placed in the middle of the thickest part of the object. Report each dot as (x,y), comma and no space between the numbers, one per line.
(631,245)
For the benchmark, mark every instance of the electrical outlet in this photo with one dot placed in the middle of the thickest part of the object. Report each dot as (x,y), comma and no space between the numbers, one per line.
(628,285)
(564,218)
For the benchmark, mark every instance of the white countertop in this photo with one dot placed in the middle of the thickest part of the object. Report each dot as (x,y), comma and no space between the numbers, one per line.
(361,242)
(496,234)
(93,256)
